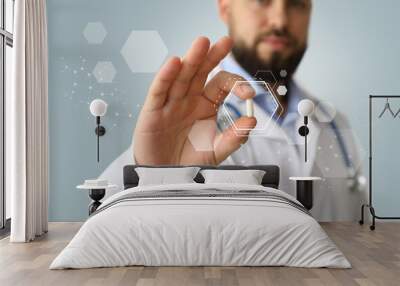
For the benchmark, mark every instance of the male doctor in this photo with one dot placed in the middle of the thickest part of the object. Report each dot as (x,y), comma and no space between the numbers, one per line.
(265,37)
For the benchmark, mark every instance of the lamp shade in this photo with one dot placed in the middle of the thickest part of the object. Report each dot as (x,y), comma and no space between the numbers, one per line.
(305,107)
(98,107)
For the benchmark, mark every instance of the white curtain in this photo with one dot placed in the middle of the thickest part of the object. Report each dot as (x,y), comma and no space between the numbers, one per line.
(27,123)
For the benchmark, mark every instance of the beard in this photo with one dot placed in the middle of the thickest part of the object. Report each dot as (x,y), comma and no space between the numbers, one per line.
(248,59)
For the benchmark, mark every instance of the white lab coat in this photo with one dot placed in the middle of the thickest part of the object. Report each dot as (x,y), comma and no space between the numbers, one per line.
(333,199)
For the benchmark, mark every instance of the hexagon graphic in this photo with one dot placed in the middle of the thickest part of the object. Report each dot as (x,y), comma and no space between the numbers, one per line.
(266,76)
(240,107)
(330,159)
(144,51)
(104,72)
(202,135)
(281,90)
(94,33)
(283,73)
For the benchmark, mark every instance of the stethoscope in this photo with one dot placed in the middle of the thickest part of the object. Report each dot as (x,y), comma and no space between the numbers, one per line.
(354,180)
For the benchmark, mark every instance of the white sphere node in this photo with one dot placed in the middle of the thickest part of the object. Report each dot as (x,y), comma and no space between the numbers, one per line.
(98,107)
(305,107)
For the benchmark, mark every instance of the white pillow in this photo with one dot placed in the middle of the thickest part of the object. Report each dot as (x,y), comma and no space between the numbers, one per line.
(248,177)
(162,176)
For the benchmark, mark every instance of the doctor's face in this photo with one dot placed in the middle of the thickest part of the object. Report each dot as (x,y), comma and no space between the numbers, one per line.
(267,34)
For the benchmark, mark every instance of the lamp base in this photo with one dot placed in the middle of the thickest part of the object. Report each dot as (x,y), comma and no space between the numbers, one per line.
(304,131)
(100,130)
(96,195)
(304,193)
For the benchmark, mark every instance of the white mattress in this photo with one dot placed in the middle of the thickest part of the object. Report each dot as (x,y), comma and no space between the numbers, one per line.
(200,231)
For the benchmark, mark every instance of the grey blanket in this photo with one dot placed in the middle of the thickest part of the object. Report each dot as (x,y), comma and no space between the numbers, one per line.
(206,194)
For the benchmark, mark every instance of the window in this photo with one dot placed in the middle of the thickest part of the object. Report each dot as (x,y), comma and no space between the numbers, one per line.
(9,18)
(6,65)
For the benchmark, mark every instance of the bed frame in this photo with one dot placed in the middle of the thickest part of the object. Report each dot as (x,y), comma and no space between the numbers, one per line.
(270,179)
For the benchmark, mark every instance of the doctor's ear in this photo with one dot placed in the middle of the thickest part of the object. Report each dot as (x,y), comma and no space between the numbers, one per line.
(223,9)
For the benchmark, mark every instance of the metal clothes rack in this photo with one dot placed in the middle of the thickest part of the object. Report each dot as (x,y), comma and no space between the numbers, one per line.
(370,205)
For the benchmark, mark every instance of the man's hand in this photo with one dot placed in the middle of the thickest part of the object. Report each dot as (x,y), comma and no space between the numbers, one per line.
(178,97)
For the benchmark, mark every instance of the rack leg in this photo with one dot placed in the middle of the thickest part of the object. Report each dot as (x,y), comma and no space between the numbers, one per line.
(372,210)
(361,221)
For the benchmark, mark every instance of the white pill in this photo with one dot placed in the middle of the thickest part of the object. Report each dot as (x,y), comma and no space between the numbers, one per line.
(249,107)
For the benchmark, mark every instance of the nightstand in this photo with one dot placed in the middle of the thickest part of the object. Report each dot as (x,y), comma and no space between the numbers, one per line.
(96,193)
(304,190)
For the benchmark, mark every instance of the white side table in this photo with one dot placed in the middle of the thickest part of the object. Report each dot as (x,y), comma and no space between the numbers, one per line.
(304,190)
(96,193)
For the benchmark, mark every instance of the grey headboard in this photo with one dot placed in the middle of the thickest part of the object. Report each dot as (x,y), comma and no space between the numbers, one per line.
(270,179)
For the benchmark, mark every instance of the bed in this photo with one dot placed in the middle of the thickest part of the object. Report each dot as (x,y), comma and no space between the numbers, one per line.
(198,224)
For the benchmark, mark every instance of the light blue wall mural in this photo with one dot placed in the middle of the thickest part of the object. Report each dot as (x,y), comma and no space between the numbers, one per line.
(110,50)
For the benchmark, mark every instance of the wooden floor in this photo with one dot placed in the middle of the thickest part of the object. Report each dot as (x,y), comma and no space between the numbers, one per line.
(375,257)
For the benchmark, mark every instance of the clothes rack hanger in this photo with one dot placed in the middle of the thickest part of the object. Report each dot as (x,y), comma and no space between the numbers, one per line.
(387,107)
(397,113)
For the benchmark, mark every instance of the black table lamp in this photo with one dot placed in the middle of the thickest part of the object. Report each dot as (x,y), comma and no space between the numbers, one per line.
(98,108)
(305,108)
